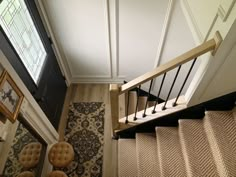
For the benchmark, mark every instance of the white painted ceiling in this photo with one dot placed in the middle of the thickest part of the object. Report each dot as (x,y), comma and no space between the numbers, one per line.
(114,40)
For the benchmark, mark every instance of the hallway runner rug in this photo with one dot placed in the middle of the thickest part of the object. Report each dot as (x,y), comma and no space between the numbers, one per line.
(85,132)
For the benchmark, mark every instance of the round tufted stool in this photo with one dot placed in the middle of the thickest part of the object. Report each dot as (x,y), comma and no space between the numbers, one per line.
(30,154)
(57,173)
(26,174)
(61,154)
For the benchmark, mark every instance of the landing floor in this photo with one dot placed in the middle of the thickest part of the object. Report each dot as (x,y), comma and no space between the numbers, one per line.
(94,93)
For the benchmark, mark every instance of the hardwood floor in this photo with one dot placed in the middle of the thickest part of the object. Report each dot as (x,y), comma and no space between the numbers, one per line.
(94,93)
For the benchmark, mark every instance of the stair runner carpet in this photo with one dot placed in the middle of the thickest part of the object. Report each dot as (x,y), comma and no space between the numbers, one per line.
(85,132)
(196,148)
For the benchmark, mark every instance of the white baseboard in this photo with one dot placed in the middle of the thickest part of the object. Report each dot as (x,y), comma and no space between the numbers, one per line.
(96,80)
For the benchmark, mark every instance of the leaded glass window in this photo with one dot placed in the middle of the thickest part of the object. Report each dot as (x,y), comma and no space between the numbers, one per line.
(18,25)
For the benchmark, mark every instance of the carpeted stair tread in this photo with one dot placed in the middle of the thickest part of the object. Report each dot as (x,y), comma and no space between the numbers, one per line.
(169,152)
(142,102)
(147,158)
(127,160)
(132,102)
(196,149)
(220,128)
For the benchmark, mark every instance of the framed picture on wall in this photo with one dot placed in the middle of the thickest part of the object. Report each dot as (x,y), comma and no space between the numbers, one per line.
(10,97)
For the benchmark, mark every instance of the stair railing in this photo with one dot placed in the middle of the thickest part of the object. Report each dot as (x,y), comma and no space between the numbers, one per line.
(116,90)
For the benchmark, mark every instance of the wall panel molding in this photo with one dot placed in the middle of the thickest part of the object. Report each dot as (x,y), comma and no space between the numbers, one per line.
(197,34)
(225,8)
(108,31)
(64,64)
(164,32)
(114,36)
(117,38)
(106,16)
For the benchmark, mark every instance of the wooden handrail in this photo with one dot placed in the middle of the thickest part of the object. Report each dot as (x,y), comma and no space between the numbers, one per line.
(210,45)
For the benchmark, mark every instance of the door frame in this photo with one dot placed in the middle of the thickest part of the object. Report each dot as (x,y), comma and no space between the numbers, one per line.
(60,56)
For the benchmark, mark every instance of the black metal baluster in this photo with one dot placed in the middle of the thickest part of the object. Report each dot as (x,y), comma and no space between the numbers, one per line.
(136,109)
(177,73)
(144,113)
(127,109)
(185,80)
(158,95)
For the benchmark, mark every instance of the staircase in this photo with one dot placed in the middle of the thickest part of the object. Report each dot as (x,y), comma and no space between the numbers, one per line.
(201,147)
(142,101)
(181,145)
(137,111)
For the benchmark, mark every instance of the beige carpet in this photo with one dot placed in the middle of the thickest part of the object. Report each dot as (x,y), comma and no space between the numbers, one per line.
(196,148)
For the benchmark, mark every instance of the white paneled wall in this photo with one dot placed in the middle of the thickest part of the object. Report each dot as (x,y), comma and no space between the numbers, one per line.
(216,73)
(140,27)
(178,40)
(109,41)
(207,16)
(115,40)
(82,31)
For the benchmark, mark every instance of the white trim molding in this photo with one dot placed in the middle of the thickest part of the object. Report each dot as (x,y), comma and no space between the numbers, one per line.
(197,34)
(114,35)
(164,32)
(162,41)
(43,128)
(108,36)
(225,8)
(97,80)
(61,58)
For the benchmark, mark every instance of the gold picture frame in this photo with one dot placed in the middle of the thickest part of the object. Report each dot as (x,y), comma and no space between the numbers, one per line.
(11,97)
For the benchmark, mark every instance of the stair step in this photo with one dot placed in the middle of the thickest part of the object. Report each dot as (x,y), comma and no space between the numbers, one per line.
(196,149)
(147,155)
(169,152)
(127,160)
(220,128)
(132,102)
(142,102)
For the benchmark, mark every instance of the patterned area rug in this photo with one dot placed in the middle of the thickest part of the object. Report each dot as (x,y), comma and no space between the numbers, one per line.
(85,131)
(12,166)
